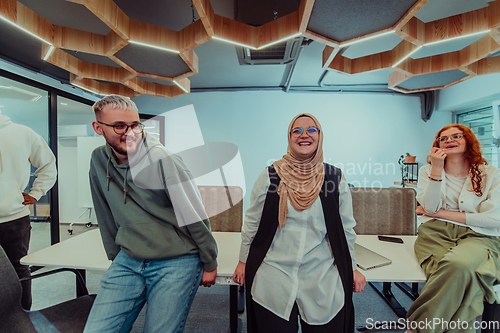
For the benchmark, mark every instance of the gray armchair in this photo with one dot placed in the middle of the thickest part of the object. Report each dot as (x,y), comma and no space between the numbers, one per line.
(386,211)
(69,316)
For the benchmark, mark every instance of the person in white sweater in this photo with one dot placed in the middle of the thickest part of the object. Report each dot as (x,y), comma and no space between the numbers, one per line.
(458,244)
(20,146)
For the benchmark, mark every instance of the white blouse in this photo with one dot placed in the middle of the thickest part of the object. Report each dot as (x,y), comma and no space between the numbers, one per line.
(298,266)
(482,214)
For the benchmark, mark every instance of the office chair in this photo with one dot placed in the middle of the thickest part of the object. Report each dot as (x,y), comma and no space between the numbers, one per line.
(386,211)
(67,317)
(224,206)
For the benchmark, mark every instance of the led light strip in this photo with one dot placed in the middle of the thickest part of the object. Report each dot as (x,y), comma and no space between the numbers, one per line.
(49,52)
(280,40)
(154,46)
(367,38)
(234,43)
(407,56)
(453,38)
(178,85)
(439,41)
(28,32)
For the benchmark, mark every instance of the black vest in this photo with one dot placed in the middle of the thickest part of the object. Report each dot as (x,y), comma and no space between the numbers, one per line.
(267,229)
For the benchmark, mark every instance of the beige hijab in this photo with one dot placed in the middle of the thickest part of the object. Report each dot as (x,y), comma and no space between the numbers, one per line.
(301,179)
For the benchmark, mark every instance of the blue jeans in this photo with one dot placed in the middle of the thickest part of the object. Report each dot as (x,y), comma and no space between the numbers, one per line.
(167,285)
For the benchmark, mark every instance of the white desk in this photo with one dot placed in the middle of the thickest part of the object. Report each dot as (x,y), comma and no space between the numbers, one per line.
(404,267)
(86,251)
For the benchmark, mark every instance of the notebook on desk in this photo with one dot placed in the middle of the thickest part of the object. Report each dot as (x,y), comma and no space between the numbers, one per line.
(367,259)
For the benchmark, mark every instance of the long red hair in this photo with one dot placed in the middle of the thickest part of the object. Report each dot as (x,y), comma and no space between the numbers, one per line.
(473,156)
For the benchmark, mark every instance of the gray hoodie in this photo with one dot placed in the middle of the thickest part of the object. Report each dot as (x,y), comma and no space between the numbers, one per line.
(149,207)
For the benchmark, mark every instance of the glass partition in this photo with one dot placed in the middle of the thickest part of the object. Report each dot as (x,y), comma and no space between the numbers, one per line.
(29,106)
(76,140)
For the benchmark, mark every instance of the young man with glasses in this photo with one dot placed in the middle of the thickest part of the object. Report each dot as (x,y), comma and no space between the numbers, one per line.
(153,226)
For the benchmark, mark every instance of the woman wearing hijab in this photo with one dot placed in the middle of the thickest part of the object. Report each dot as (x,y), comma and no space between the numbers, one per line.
(297,251)
(458,244)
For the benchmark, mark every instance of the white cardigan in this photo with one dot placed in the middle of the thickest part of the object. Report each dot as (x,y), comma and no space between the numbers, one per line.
(482,214)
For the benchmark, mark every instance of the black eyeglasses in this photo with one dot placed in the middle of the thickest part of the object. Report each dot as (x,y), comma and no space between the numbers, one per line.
(298,131)
(452,137)
(121,129)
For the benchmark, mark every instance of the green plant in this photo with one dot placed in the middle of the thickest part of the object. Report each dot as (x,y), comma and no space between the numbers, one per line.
(404,169)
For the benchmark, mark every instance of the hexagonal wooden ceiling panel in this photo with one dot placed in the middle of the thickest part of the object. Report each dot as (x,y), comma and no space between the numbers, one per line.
(146,47)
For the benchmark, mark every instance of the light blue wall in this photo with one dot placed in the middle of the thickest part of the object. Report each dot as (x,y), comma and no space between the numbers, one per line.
(364,133)
(478,90)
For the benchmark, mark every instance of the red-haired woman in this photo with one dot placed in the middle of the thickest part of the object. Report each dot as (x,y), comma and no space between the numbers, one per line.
(458,246)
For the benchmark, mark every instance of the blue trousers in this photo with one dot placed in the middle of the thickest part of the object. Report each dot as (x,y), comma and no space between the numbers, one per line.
(168,286)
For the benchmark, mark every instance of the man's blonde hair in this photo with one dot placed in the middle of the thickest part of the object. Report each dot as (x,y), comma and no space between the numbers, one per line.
(115,102)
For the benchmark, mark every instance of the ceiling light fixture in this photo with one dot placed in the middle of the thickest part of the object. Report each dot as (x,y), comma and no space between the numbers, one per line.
(35,98)
(28,32)
(408,55)
(280,40)
(367,38)
(154,46)
(178,85)
(453,38)
(49,52)
(234,43)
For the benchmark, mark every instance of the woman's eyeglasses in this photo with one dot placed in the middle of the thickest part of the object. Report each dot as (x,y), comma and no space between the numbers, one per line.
(453,137)
(297,131)
(121,129)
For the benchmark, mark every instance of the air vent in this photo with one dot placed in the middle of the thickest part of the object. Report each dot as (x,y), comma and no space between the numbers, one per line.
(283,53)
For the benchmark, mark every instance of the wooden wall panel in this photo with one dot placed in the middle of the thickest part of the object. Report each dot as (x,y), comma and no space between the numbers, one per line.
(236,31)
(372,62)
(34,23)
(413,31)
(206,13)
(153,35)
(113,43)
(108,12)
(305,10)
(485,66)
(192,36)
(409,14)
(8,10)
(280,28)
(78,40)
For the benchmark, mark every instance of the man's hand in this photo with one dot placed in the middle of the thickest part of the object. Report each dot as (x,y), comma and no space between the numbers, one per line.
(28,199)
(359,281)
(239,273)
(208,278)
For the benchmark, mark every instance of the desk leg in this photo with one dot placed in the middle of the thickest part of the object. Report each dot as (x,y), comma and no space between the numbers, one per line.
(410,292)
(386,293)
(81,290)
(241,299)
(234,322)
